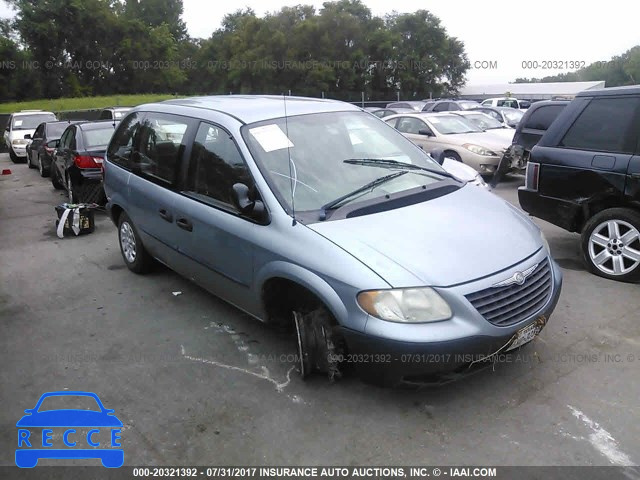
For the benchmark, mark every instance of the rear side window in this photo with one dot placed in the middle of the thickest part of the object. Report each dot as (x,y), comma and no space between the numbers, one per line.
(606,125)
(160,146)
(410,125)
(121,145)
(543,117)
(441,107)
(216,165)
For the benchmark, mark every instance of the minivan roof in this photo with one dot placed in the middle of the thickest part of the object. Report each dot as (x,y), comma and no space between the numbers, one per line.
(598,92)
(256,108)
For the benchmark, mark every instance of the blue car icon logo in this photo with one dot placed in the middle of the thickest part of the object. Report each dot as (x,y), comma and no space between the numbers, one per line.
(101,440)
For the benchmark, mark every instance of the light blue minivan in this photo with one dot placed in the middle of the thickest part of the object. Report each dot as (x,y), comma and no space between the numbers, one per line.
(315,214)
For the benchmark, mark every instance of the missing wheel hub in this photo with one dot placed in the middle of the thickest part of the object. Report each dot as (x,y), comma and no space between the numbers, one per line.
(318,349)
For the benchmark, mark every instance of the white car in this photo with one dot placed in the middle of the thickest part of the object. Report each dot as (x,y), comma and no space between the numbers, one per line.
(510,102)
(457,137)
(20,127)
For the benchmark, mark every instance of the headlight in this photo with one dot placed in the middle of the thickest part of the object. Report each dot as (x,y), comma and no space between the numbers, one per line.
(407,305)
(478,150)
(545,242)
(19,141)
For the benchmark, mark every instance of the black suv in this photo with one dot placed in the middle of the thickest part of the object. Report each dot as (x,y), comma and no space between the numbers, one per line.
(584,176)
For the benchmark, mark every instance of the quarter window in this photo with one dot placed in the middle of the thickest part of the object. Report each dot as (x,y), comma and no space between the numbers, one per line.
(441,107)
(160,146)
(216,165)
(607,125)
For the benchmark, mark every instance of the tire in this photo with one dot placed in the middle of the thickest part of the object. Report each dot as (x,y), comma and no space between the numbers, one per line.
(71,189)
(55,178)
(29,164)
(611,244)
(44,172)
(133,252)
(13,156)
(454,155)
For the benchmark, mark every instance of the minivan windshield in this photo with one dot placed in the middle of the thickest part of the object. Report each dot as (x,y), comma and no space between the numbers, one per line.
(334,154)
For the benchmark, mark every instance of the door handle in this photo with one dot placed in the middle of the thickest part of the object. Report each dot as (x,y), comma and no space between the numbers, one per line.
(184,224)
(165,215)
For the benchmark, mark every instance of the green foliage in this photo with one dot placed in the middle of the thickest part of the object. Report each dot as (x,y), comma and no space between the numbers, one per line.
(98,47)
(83,103)
(619,71)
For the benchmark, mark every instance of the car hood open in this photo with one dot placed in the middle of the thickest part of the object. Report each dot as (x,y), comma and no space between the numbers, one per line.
(453,239)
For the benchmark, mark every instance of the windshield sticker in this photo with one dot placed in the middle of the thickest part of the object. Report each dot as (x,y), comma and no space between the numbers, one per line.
(17,123)
(271,137)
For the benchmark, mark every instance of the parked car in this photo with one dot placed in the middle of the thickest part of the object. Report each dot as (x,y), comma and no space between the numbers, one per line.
(20,127)
(584,176)
(535,122)
(43,145)
(385,112)
(510,102)
(509,117)
(299,220)
(77,165)
(113,113)
(416,105)
(487,124)
(459,138)
(450,105)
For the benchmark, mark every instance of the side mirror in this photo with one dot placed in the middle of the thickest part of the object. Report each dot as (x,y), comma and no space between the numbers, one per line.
(424,131)
(27,136)
(245,201)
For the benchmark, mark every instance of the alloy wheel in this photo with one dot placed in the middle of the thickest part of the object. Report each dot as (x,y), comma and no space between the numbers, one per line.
(128,242)
(614,247)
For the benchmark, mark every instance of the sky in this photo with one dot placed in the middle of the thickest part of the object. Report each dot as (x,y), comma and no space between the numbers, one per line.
(499,35)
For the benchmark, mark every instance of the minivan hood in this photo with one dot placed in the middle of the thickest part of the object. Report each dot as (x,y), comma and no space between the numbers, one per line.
(454,239)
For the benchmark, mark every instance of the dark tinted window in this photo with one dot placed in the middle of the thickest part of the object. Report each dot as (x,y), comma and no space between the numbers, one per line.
(106,115)
(55,130)
(121,145)
(65,141)
(159,146)
(607,124)
(39,133)
(97,137)
(543,117)
(215,166)
(441,107)
(454,107)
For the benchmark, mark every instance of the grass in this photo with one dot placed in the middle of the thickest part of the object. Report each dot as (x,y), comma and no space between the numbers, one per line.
(83,103)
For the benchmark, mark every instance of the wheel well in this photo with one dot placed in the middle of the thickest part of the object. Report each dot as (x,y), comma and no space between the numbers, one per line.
(116,211)
(281,296)
(597,206)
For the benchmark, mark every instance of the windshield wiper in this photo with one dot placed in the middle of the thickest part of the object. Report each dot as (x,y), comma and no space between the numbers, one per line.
(386,163)
(369,186)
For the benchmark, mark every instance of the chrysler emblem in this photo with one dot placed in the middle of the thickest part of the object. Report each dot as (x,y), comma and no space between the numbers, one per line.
(517,278)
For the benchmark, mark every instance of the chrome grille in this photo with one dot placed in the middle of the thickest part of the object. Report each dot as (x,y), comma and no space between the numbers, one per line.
(504,306)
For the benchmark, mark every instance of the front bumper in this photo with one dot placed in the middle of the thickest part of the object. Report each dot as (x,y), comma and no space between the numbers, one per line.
(394,361)
(484,165)
(19,150)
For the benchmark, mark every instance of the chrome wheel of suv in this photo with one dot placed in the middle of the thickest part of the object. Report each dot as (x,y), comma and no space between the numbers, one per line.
(128,242)
(611,244)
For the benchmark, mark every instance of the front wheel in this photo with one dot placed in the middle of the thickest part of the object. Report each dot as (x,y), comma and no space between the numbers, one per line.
(133,252)
(611,244)
(453,155)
